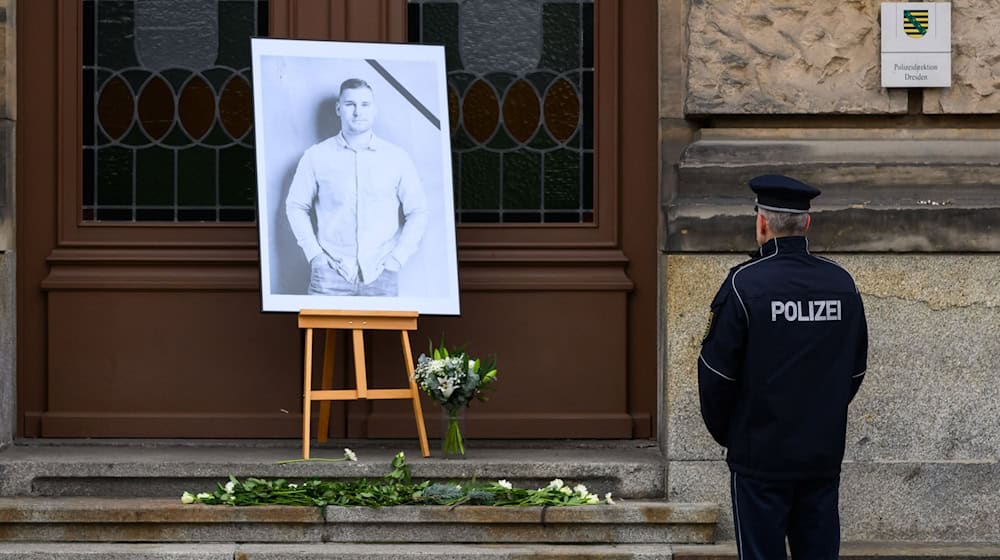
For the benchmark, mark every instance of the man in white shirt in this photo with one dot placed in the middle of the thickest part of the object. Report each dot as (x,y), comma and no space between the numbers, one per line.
(370,206)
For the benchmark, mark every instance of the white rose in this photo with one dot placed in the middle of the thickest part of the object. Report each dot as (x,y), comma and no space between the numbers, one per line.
(187,498)
(505,484)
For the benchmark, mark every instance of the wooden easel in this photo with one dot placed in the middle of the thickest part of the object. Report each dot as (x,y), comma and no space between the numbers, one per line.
(357,322)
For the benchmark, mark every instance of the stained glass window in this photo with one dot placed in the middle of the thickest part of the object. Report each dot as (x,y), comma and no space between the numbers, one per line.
(167,109)
(520,95)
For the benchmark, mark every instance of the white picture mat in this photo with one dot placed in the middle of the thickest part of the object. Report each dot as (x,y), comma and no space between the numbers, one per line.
(296,84)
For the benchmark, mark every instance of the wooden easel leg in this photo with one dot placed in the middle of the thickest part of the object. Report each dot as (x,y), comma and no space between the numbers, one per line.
(359,364)
(418,412)
(323,429)
(307,394)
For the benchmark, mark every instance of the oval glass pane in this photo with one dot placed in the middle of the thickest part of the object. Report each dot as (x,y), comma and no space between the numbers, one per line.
(116,108)
(156,107)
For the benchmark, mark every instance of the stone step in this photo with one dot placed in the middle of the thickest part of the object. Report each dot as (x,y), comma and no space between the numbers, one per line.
(345,551)
(164,520)
(627,469)
(862,551)
(327,551)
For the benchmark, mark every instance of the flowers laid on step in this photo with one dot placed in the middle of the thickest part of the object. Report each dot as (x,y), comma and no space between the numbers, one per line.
(348,456)
(454,379)
(395,488)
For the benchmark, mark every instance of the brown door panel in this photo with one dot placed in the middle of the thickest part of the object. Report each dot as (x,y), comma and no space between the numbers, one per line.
(139,330)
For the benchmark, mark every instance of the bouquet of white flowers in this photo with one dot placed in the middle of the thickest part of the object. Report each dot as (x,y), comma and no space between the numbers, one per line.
(454,379)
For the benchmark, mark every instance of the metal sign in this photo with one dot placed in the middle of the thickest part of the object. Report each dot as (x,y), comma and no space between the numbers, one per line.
(916,44)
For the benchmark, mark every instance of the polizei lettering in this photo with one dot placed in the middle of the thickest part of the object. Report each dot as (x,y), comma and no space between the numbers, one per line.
(806,311)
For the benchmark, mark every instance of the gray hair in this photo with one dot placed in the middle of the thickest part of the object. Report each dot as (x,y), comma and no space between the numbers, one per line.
(785,223)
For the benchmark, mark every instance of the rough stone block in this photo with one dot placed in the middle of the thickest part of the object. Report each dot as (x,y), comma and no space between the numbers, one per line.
(880,501)
(975,61)
(810,56)
(930,392)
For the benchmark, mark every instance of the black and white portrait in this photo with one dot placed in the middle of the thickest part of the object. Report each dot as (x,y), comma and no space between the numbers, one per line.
(354,177)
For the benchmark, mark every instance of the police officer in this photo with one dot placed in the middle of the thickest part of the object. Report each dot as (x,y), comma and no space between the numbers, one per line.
(784,353)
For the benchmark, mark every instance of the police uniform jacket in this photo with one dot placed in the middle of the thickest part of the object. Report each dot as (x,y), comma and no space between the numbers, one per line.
(784,354)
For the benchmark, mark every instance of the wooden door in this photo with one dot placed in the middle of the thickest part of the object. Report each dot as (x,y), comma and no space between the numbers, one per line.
(132,328)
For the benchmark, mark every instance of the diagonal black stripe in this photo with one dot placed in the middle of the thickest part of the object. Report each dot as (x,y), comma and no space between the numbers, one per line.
(404,92)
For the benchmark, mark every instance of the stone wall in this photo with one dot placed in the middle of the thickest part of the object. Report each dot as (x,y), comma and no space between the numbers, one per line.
(817,57)
(802,56)
(923,433)
(912,203)
(975,61)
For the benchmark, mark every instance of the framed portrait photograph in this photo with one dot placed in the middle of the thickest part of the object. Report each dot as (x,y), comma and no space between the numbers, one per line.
(354,177)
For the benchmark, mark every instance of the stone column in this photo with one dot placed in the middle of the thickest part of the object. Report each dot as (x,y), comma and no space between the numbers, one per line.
(8,323)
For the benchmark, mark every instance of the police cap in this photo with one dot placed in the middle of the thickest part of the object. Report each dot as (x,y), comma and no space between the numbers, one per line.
(779,193)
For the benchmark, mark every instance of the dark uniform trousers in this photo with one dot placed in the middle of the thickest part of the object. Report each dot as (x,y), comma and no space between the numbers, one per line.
(764,511)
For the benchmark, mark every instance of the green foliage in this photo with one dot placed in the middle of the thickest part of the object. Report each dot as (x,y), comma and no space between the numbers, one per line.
(395,488)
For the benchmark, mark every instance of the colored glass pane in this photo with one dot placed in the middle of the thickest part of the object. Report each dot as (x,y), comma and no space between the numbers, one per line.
(562,180)
(452,109)
(156,107)
(527,66)
(197,215)
(587,21)
(439,26)
(112,31)
(561,36)
(197,107)
(480,180)
(236,107)
(480,112)
(89,182)
(115,108)
(154,176)
(89,94)
(522,217)
(196,177)
(114,176)
(501,141)
(154,214)
(562,110)
(89,48)
(236,176)
(166,93)
(521,111)
(236,24)
(588,115)
(521,180)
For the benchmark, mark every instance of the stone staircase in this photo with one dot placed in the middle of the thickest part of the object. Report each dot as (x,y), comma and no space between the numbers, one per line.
(69,500)
(66,500)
